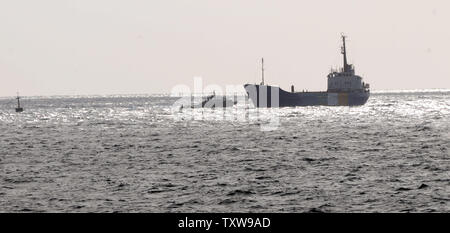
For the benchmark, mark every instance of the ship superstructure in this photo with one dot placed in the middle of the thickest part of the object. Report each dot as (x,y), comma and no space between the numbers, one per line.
(345,88)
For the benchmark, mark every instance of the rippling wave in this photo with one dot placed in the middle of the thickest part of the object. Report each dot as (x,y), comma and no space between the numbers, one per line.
(136,154)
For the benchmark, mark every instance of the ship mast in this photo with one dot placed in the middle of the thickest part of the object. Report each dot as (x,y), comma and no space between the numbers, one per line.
(262,69)
(344,53)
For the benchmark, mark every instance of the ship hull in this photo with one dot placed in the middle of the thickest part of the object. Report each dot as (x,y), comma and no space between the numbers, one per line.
(266,96)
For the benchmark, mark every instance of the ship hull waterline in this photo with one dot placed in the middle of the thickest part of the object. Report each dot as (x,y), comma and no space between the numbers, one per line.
(266,96)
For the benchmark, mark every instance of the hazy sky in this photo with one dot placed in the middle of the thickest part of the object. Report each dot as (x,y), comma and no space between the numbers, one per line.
(57,47)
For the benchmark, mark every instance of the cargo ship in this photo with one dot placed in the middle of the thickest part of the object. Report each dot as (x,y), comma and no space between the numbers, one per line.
(344,89)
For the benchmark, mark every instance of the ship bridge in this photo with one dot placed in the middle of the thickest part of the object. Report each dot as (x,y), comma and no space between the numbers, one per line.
(344,79)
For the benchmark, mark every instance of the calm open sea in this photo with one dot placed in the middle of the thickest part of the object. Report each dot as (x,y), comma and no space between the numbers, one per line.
(136,154)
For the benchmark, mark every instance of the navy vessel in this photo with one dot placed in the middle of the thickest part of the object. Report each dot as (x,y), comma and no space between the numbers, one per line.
(344,89)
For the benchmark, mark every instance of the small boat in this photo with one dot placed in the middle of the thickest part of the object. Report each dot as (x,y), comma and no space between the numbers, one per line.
(19,108)
(213,101)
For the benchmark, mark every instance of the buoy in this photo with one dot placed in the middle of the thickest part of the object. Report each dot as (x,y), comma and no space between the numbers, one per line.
(18,109)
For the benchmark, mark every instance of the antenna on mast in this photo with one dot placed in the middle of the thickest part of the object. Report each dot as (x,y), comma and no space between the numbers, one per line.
(344,53)
(262,69)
